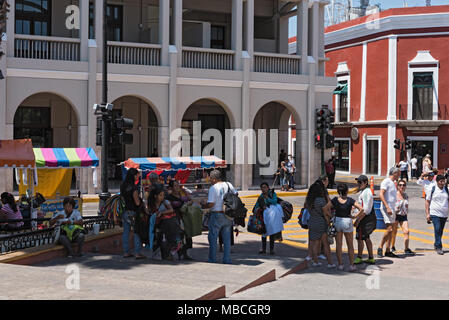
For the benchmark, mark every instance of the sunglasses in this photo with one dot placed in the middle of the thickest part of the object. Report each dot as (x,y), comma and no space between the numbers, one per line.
(401,185)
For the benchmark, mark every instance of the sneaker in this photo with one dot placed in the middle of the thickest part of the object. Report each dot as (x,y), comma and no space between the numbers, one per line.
(316,264)
(330,266)
(369,261)
(390,254)
(352,268)
(341,267)
(440,251)
(379,253)
(322,257)
(358,260)
(408,251)
(308,258)
(393,249)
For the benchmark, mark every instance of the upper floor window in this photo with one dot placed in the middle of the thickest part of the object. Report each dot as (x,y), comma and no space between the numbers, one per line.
(115,22)
(422,95)
(342,91)
(217,37)
(33,17)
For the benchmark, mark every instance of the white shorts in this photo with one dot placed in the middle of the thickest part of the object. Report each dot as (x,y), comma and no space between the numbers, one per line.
(344,225)
(387,218)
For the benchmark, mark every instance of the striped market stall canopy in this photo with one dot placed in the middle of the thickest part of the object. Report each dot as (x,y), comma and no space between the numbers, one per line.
(16,153)
(175,163)
(65,157)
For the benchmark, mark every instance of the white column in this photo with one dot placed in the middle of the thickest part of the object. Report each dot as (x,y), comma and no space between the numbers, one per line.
(99,29)
(313,158)
(178,29)
(164,30)
(302,28)
(249,24)
(245,176)
(91,100)
(315,34)
(10,26)
(206,34)
(84,29)
(363,85)
(237,29)
(172,91)
(392,82)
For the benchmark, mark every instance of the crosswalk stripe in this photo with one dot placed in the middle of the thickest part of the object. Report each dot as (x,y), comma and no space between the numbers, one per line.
(416,238)
(426,233)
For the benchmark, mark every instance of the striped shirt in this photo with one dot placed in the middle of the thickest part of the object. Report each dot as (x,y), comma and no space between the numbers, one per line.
(7,213)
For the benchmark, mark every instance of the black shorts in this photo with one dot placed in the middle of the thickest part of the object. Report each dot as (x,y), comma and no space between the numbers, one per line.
(366,227)
(401,218)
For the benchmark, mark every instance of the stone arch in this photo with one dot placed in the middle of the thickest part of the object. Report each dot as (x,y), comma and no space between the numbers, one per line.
(59,123)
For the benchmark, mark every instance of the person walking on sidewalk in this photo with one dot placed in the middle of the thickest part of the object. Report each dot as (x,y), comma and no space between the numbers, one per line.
(218,222)
(401,210)
(414,166)
(343,224)
(403,166)
(388,196)
(437,210)
(426,181)
(366,221)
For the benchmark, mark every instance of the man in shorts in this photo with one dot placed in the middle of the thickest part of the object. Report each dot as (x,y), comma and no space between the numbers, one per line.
(388,192)
(365,224)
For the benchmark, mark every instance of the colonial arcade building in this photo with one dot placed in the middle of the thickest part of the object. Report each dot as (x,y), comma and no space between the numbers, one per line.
(393,83)
(171,62)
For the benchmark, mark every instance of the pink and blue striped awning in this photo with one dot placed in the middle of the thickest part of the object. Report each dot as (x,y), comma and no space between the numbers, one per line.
(175,163)
(65,157)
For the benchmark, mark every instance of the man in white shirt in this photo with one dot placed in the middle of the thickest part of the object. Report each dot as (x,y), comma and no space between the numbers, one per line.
(414,164)
(388,192)
(219,223)
(403,166)
(69,217)
(437,210)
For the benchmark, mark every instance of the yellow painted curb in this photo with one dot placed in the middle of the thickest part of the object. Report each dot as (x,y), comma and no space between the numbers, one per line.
(300,193)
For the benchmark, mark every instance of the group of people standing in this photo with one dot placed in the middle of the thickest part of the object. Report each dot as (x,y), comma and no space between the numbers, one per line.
(339,214)
(286,171)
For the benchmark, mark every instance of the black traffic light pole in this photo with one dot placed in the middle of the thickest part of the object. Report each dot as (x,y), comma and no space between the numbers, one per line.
(106,118)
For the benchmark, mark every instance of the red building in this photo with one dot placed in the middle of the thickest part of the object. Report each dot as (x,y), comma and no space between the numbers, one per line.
(393,83)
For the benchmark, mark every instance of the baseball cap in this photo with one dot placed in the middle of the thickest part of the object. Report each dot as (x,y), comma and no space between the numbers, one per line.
(362,178)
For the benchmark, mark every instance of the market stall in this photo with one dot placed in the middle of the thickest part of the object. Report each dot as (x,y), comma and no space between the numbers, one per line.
(178,168)
(54,174)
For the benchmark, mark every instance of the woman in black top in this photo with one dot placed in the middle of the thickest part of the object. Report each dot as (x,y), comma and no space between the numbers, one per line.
(343,224)
(130,193)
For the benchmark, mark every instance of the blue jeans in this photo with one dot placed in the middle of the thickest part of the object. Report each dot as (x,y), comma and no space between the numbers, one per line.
(126,230)
(438,226)
(219,223)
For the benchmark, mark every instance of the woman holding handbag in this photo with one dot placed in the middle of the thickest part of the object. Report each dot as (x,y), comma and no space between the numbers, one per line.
(266,199)
(401,210)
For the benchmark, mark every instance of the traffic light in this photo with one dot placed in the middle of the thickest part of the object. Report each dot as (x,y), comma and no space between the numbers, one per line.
(397,144)
(122,124)
(330,141)
(329,119)
(318,141)
(320,119)
(408,144)
(99,131)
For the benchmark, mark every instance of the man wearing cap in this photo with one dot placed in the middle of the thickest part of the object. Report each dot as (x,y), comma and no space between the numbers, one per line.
(388,193)
(366,222)
(426,181)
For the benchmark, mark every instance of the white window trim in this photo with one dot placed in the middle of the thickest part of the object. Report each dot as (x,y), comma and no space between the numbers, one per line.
(349,168)
(343,74)
(423,57)
(435,147)
(365,154)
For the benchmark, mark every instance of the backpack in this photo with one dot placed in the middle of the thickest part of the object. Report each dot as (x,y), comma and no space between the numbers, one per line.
(72,231)
(234,207)
(303,218)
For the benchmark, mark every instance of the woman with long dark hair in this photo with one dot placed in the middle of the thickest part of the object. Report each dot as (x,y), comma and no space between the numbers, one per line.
(319,208)
(9,211)
(167,221)
(178,197)
(129,191)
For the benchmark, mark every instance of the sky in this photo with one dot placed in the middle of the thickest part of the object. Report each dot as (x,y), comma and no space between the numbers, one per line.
(384,4)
